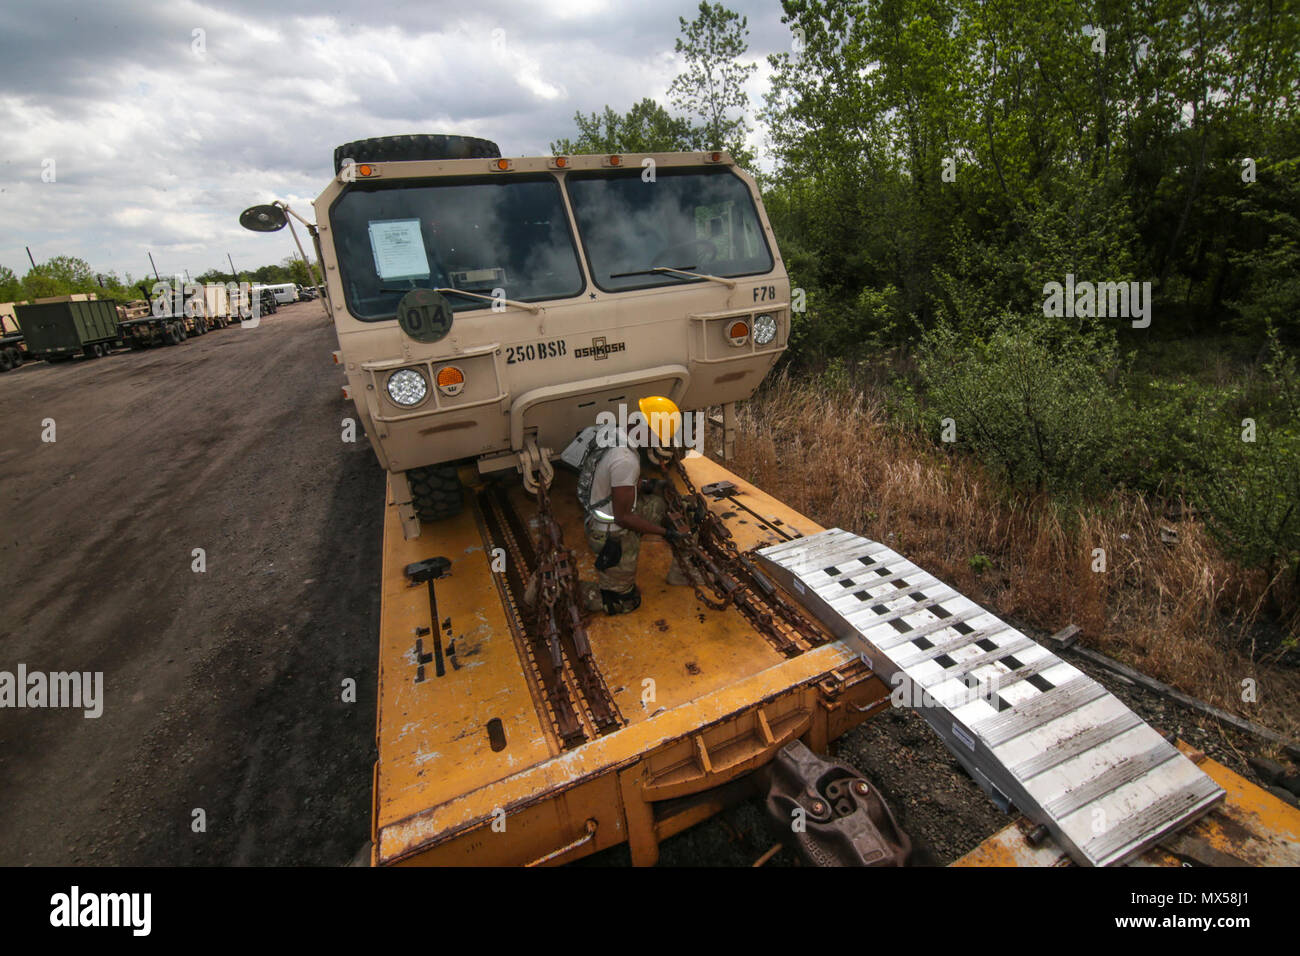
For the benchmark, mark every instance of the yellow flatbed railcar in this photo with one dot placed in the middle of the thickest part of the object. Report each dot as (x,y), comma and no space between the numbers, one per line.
(471,769)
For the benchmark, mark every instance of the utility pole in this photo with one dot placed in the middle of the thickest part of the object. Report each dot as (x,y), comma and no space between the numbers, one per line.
(155,268)
(29,256)
(233,274)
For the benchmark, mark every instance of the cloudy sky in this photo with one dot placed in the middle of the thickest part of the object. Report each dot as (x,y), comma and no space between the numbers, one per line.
(159,122)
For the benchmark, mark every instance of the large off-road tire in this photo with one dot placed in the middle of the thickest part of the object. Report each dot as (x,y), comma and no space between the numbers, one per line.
(401,149)
(170,337)
(6,361)
(436,492)
(16,357)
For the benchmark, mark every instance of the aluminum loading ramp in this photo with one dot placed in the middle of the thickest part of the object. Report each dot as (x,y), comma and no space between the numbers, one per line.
(1031,729)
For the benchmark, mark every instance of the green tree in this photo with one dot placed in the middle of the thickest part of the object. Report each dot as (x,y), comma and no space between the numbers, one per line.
(10,287)
(712,86)
(646,128)
(296,271)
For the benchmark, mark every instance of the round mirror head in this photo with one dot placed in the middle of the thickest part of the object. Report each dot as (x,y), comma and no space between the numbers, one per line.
(424,315)
(263,218)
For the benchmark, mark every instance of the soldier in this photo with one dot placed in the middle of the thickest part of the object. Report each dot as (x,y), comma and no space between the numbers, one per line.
(621,508)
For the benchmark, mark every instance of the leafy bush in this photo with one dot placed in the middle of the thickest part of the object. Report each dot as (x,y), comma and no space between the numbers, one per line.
(1031,402)
(1248,479)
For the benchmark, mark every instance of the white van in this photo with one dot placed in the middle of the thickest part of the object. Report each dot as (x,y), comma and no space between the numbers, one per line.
(284,293)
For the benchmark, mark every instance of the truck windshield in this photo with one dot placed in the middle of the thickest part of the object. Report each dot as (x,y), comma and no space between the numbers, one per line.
(476,235)
(700,220)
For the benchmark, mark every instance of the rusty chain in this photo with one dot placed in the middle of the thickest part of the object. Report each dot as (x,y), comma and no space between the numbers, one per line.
(706,551)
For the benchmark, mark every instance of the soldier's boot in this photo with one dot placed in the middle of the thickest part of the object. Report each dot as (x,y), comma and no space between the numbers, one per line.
(590,594)
(616,603)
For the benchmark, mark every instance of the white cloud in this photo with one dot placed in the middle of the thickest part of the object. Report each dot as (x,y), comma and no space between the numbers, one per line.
(159,147)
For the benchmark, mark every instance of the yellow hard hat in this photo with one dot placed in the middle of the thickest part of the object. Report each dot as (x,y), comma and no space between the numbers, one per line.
(663,417)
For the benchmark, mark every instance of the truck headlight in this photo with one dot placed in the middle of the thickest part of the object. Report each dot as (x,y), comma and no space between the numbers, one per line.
(764,328)
(407,387)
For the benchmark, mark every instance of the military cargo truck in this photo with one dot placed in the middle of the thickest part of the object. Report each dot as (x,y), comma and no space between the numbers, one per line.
(220,306)
(12,351)
(60,327)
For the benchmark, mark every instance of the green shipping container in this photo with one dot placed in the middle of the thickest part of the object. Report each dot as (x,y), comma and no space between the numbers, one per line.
(62,328)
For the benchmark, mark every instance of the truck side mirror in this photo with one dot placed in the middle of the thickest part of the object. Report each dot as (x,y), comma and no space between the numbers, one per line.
(263,218)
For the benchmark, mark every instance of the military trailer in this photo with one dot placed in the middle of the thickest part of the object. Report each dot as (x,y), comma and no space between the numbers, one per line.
(143,326)
(58,328)
(488,310)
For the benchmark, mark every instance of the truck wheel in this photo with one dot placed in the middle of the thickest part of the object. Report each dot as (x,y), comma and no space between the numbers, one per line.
(420,146)
(170,337)
(435,492)
(181,333)
(6,361)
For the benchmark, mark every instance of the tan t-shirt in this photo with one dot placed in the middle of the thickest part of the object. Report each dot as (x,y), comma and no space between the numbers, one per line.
(619,468)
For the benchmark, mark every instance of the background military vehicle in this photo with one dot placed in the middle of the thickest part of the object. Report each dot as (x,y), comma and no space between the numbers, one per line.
(60,327)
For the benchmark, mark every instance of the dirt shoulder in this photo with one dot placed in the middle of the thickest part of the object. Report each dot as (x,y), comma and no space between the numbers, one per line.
(223,688)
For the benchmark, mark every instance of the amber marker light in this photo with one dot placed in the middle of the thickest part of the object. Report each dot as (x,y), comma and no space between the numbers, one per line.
(451,380)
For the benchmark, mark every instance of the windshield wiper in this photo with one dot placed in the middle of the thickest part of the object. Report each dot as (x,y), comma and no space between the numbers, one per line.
(678,272)
(647,272)
(471,295)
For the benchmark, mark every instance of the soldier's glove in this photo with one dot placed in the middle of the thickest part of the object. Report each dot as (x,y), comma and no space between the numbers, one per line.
(672,535)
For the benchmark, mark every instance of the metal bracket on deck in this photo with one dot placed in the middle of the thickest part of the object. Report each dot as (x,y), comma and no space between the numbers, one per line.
(829,814)
(405,506)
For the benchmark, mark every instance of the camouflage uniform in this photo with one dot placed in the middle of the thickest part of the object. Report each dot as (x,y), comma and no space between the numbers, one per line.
(621,578)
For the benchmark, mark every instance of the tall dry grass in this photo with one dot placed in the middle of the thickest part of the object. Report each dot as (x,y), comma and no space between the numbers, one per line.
(1173,609)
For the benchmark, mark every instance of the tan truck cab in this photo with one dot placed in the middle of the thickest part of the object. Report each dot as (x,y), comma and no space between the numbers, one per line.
(489,308)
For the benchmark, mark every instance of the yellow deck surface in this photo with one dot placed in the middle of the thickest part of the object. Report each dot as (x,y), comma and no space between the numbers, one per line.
(432,736)
(1250,827)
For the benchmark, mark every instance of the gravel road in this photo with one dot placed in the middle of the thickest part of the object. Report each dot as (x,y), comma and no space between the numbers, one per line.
(222,689)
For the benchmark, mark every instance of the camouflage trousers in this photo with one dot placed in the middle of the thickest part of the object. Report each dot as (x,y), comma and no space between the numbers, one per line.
(621,578)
